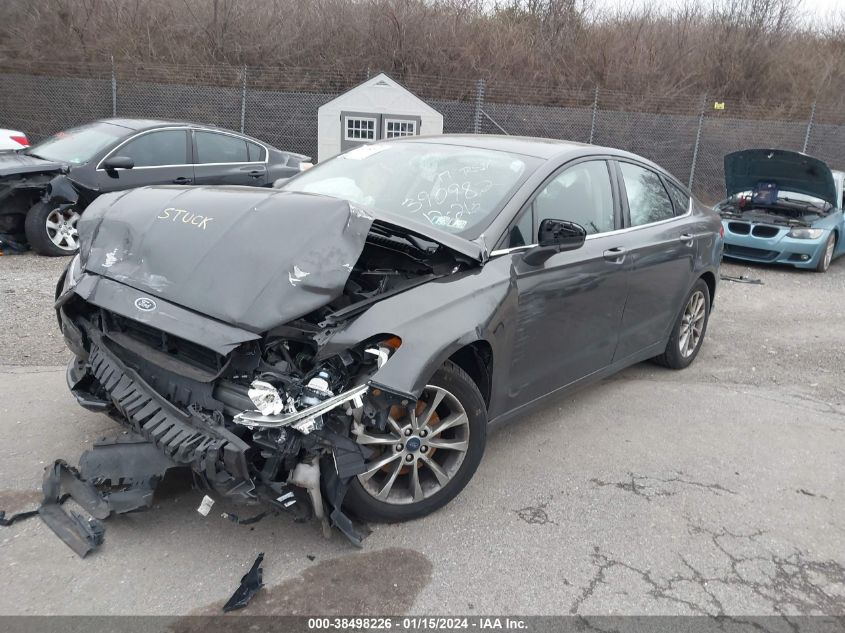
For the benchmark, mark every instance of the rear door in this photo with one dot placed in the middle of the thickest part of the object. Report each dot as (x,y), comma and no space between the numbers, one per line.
(161,157)
(662,244)
(222,158)
(570,308)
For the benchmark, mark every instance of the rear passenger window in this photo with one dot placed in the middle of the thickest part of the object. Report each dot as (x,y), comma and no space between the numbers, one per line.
(256,152)
(220,148)
(647,198)
(678,196)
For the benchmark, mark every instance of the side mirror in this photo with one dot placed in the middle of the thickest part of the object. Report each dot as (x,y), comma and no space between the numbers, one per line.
(118,162)
(556,236)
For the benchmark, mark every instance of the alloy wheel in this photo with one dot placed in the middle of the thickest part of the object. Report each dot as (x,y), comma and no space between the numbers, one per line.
(420,452)
(692,324)
(61,228)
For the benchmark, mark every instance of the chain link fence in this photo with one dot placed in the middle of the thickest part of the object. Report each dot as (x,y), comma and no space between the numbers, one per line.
(684,133)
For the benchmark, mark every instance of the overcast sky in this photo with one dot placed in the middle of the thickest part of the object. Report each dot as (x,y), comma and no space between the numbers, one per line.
(810,8)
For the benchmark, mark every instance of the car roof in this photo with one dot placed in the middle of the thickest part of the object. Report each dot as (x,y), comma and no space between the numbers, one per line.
(543,148)
(142,124)
(529,146)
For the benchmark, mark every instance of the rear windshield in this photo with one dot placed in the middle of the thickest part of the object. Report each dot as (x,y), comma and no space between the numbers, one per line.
(80,144)
(455,189)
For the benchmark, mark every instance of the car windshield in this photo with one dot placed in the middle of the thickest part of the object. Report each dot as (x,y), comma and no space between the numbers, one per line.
(78,145)
(456,189)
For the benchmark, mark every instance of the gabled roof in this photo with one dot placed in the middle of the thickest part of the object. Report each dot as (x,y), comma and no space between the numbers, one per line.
(383,81)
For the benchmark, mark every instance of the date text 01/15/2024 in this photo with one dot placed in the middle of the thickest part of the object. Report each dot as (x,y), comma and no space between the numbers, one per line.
(415,623)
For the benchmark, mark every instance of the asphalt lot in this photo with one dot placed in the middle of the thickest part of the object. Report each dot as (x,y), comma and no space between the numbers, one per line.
(717,489)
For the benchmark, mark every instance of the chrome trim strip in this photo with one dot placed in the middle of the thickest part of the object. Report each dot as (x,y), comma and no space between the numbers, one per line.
(256,419)
(505,251)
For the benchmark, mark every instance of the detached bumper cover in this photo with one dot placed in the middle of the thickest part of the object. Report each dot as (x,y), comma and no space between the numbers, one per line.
(187,438)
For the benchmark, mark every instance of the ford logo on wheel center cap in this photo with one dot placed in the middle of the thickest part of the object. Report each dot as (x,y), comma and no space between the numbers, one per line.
(145,304)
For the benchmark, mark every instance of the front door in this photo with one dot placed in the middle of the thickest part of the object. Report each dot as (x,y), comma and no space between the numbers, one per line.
(161,157)
(570,308)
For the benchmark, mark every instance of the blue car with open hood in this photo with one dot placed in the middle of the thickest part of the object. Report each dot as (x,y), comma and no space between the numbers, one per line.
(783,207)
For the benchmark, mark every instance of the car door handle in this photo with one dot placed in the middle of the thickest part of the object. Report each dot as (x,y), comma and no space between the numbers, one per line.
(182,180)
(257,173)
(686,238)
(616,255)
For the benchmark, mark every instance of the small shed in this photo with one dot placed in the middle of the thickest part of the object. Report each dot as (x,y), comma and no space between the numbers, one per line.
(380,108)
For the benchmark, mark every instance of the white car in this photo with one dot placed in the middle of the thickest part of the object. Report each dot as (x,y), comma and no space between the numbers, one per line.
(12,139)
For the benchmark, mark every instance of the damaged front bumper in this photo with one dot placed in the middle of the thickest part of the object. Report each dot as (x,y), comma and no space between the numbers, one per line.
(306,452)
(187,438)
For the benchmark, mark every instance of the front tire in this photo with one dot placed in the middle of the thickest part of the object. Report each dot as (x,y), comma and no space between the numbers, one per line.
(52,231)
(689,330)
(827,254)
(427,454)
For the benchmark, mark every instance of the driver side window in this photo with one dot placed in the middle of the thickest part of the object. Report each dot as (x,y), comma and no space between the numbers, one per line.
(155,149)
(580,194)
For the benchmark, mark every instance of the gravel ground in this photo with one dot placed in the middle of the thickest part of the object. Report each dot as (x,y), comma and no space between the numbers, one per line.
(30,334)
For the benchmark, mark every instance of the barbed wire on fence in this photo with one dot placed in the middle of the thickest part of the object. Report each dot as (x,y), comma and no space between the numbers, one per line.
(686,133)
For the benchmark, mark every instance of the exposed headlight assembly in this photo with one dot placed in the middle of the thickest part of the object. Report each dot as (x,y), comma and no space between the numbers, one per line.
(806,234)
(274,409)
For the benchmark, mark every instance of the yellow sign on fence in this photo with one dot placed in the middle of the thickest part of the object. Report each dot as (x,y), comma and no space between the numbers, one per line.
(719,105)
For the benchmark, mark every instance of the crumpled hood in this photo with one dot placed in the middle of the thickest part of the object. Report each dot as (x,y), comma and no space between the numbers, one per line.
(250,257)
(12,163)
(792,171)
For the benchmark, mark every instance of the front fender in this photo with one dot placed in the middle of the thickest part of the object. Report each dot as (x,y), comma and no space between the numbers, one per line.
(61,190)
(434,321)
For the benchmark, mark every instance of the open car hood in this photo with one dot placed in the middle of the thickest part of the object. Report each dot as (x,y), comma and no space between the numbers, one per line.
(250,257)
(13,163)
(792,171)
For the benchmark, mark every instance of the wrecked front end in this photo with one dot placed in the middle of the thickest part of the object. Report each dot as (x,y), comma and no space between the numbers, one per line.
(258,413)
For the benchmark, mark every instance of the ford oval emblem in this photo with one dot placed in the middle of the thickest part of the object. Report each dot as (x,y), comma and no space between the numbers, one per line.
(145,304)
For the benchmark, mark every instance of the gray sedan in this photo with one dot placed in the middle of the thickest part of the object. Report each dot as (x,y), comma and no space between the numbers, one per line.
(344,342)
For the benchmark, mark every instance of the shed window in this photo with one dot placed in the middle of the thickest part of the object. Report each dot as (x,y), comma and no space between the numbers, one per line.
(394,129)
(358,129)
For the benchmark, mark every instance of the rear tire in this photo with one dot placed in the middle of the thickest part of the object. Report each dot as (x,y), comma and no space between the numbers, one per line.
(689,329)
(435,461)
(50,231)
(827,254)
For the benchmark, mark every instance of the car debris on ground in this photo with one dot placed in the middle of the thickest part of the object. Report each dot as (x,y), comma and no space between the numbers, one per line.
(741,279)
(251,583)
(116,476)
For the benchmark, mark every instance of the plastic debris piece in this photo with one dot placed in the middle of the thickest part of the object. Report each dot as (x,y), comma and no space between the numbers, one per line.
(80,534)
(16,517)
(251,582)
(234,518)
(205,505)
